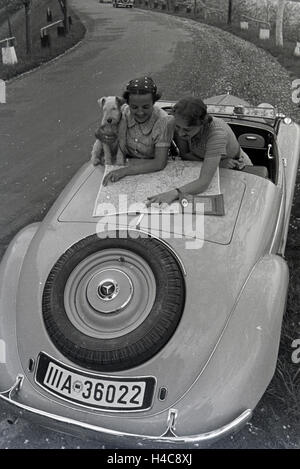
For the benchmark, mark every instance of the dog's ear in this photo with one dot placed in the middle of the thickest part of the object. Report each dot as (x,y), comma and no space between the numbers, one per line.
(101,101)
(120,101)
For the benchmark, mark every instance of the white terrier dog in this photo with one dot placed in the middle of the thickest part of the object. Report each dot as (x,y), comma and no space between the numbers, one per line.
(107,143)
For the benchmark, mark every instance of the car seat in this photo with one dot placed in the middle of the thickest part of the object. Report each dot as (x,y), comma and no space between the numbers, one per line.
(257,146)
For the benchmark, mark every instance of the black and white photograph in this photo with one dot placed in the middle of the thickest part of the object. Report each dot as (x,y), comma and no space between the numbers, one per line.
(149,227)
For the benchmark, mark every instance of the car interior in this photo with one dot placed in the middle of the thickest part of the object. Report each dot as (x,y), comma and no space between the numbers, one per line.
(259,145)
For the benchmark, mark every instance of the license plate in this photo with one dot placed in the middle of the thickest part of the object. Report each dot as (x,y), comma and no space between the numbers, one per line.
(93,390)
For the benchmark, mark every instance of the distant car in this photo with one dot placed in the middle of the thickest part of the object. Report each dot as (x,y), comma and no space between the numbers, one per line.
(123,3)
(131,335)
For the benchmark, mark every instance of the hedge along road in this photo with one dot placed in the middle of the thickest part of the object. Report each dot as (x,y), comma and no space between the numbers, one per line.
(47,125)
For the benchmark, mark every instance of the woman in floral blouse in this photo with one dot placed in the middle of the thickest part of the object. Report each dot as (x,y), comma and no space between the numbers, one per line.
(145,132)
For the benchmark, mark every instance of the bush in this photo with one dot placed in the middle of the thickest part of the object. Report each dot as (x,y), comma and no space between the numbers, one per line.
(51,47)
(9,6)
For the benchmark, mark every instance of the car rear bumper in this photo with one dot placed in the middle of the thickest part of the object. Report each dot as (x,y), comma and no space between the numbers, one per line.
(9,400)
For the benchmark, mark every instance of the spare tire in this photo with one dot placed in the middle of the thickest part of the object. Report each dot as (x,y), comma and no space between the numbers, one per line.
(111,304)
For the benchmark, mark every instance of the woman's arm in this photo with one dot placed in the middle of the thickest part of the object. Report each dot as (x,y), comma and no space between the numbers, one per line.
(140,166)
(184,149)
(182,145)
(201,184)
(214,149)
(195,187)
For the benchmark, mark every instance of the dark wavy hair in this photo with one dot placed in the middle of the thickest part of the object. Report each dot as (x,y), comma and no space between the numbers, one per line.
(193,110)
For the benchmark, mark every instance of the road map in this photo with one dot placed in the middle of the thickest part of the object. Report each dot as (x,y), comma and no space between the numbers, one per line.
(133,190)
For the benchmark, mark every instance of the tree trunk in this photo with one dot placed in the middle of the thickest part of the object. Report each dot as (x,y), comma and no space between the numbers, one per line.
(27,4)
(279,22)
(66,17)
(229,17)
(64,8)
(8,23)
(204,10)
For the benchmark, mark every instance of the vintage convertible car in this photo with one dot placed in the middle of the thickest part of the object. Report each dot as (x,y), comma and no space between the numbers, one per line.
(119,331)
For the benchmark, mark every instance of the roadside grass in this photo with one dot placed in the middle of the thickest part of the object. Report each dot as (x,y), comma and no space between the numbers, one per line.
(284,55)
(283,393)
(58,44)
(9,6)
(285,386)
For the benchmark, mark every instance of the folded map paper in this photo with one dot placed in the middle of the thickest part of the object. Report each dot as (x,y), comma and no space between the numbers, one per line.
(130,193)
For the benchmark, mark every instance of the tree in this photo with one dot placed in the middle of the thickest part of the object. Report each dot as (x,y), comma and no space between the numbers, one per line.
(203,6)
(9,23)
(279,22)
(64,8)
(27,4)
(229,17)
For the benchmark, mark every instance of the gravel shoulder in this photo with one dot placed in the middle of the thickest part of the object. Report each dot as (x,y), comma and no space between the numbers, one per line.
(215,58)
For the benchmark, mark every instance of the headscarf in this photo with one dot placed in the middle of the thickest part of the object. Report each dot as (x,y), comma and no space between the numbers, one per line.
(142,85)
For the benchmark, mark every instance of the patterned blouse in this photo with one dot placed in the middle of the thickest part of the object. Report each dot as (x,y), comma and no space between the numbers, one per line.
(140,140)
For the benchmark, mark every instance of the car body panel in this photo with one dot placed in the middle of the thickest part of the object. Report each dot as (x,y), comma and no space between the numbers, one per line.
(79,203)
(256,328)
(10,269)
(226,343)
(216,267)
(208,314)
(289,147)
(81,206)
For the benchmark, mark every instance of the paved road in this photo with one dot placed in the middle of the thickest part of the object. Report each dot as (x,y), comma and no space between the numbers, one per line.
(47,126)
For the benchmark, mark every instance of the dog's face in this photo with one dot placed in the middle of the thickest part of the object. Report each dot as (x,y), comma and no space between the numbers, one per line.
(111,111)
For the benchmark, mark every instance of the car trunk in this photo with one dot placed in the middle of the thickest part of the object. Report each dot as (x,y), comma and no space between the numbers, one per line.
(217,229)
(214,271)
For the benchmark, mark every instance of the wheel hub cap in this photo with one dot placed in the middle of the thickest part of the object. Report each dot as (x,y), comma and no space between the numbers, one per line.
(109,291)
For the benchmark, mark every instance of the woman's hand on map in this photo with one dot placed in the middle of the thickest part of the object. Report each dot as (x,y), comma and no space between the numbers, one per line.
(162,198)
(114,176)
(229,163)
